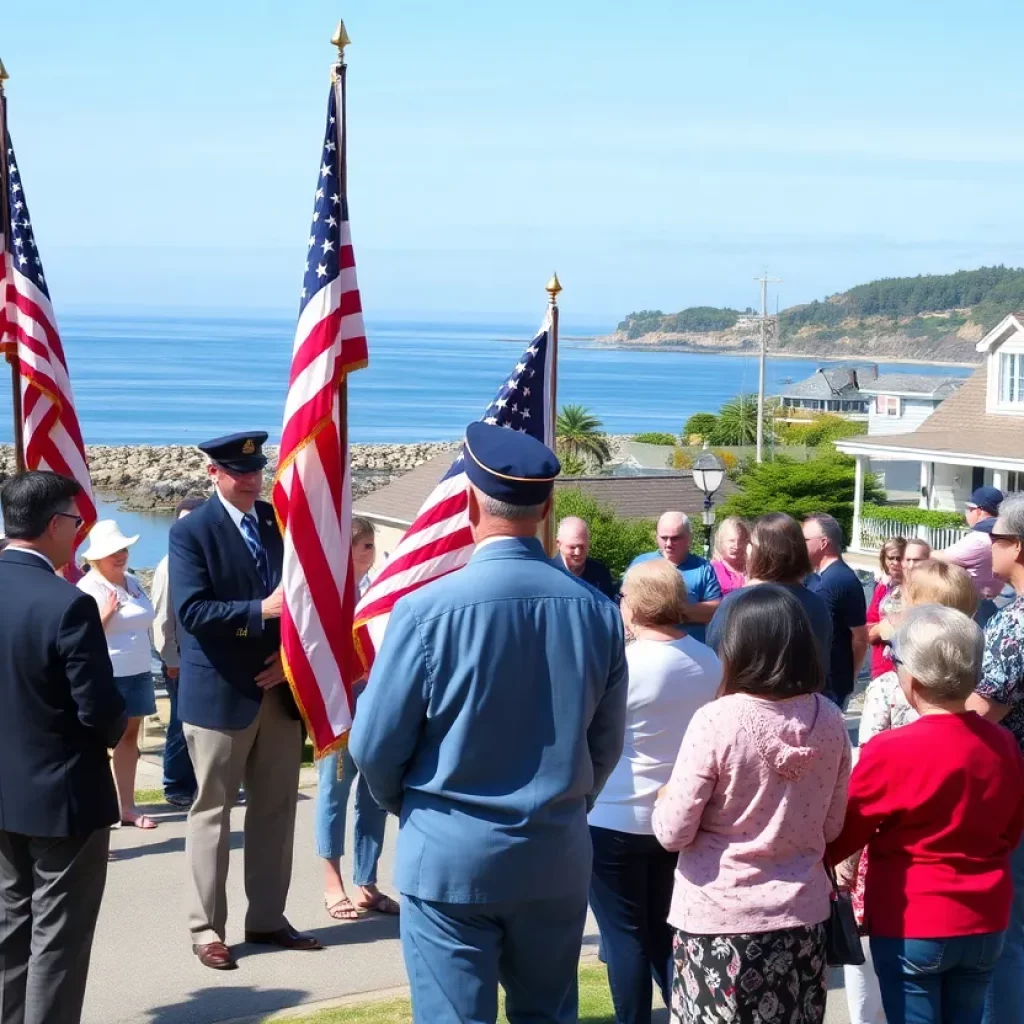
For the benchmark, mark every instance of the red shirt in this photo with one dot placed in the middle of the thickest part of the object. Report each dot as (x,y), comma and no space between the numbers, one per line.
(881,662)
(940,805)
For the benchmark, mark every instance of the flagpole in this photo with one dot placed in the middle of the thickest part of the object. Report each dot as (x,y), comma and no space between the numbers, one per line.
(5,233)
(339,74)
(553,287)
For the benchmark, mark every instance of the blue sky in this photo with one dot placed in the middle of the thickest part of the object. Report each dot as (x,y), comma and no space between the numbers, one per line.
(658,154)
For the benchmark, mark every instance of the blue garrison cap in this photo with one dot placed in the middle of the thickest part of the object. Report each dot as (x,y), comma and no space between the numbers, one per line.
(509,465)
(238,453)
(988,498)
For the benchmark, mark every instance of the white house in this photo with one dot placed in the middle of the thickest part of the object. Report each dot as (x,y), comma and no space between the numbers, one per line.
(898,403)
(975,437)
(835,389)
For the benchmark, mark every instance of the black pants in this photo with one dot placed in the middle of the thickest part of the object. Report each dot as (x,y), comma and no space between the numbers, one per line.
(630,894)
(50,893)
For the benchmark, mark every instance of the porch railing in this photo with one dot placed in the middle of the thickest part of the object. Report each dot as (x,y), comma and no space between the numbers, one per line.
(875,532)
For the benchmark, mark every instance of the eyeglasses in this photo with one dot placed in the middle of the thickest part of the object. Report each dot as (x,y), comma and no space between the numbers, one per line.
(68,515)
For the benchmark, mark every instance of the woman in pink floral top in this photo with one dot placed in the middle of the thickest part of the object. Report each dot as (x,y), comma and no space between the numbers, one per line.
(886,707)
(757,791)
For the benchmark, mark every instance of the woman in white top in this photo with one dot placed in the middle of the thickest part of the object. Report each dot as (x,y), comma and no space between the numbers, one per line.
(127,617)
(671,675)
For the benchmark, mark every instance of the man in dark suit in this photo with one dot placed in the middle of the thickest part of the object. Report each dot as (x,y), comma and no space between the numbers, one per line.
(573,540)
(61,712)
(240,723)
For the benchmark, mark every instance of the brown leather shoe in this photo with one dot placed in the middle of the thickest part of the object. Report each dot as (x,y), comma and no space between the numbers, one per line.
(215,955)
(286,937)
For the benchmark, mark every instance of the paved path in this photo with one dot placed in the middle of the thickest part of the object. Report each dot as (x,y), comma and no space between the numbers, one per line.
(143,971)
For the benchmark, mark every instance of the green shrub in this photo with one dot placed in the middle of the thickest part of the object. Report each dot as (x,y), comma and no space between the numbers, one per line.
(615,541)
(823,429)
(701,425)
(909,516)
(656,437)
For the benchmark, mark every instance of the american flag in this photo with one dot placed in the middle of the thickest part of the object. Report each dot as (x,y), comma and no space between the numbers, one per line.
(439,540)
(312,490)
(28,336)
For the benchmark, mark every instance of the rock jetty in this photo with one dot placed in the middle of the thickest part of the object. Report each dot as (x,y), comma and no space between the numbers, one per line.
(156,478)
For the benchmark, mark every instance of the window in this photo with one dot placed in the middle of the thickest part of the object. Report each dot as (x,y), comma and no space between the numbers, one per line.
(887,405)
(1011,378)
(1014,482)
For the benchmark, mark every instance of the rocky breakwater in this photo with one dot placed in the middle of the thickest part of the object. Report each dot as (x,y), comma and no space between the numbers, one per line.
(156,478)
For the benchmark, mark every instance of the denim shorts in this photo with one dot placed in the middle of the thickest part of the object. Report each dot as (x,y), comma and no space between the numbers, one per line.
(138,693)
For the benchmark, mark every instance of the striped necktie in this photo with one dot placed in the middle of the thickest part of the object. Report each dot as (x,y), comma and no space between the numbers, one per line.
(251,533)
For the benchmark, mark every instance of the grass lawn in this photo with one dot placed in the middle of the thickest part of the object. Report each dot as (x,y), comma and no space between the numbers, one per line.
(148,797)
(595,1006)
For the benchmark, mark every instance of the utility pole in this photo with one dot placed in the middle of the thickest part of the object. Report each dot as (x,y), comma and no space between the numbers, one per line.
(765,281)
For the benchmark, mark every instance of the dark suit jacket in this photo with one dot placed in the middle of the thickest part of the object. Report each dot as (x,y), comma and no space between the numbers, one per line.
(217,594)
(59,707)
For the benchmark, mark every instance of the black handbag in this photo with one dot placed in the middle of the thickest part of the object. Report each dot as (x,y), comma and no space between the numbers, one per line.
(842,937)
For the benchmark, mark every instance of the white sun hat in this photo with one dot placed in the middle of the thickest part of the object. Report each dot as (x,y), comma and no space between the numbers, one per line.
(106,538)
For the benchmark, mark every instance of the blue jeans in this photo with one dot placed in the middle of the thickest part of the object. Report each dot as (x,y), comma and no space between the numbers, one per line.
(630,894)
(936,981)
(1005,1001)
(179,775)
(456,955)
(332,796)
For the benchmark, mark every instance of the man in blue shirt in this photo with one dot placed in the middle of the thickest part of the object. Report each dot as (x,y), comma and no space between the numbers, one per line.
(674,539)
(838,586)
(494,714)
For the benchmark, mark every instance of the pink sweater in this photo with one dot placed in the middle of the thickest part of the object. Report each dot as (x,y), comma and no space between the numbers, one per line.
(758,789)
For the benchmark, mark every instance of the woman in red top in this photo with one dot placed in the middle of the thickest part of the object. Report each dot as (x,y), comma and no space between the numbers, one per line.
(938,804)
(885,602)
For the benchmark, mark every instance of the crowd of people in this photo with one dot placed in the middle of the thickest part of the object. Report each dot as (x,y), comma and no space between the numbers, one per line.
(671,750)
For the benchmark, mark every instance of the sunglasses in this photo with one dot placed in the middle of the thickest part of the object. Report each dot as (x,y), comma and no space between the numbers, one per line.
(68,515)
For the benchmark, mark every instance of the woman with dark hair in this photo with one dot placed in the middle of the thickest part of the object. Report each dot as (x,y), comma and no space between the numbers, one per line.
(885,605)
(778,554)
(758,790)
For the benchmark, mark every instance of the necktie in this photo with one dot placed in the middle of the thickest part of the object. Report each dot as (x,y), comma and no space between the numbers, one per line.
(251,533)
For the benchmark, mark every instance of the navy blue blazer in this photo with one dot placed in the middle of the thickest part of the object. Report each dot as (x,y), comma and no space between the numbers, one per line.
(494,714)
(218,594)
(60,709)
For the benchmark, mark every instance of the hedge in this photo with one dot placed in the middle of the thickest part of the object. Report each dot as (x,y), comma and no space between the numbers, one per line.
(909,516)
(656,437)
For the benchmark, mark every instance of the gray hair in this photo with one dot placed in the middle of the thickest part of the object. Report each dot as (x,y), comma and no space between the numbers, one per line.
(511,513)
(1011,514)
(941,648)
(830,530)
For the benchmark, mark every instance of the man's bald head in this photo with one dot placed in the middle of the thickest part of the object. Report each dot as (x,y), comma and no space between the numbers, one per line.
(573,543)
(674,536)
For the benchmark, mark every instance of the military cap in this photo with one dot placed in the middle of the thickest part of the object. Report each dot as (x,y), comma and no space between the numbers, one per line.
(237,453)
(508,465)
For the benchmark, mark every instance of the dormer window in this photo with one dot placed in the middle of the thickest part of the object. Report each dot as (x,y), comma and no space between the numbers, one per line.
(1011,378)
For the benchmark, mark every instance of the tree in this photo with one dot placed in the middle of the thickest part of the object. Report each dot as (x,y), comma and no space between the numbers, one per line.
(613,540)
(822,484)
(737,422)
(700,425)
(823,429)
(578,435)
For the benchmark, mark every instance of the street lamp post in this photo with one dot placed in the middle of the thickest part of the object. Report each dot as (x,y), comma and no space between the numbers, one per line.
(708,474)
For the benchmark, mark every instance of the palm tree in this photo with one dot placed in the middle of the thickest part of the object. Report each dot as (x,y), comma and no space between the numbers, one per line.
(579,437)
(737,421)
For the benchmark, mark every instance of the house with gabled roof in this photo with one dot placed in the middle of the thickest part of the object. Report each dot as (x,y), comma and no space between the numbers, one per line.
(974,437)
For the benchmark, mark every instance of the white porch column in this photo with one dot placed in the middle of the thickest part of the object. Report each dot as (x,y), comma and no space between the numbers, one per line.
(927,483)
(858,501)
(999,480)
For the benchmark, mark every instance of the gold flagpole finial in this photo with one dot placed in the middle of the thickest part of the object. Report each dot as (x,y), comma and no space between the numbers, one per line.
(3,74)
(340,39)
(553,287)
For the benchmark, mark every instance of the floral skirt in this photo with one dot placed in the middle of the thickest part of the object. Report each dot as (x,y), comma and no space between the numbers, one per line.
(767,978)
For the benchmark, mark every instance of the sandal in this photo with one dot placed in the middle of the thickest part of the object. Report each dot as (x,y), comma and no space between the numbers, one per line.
(380,903)
(342,910)
(143,821)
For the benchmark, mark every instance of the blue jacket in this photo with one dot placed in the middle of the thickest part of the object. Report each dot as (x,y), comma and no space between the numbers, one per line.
(494,714)
(218,595)
(59,707)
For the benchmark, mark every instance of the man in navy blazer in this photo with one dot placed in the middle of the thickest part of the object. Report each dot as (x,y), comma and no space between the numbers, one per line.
(60,712)
(493,716)
(238,716)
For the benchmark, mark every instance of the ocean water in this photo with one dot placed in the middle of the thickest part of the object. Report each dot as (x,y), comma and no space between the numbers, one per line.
(161,380)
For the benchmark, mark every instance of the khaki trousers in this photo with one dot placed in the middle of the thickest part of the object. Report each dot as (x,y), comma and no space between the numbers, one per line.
(266,757)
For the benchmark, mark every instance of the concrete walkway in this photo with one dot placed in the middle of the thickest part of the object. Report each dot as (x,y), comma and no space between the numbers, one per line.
(143,970)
